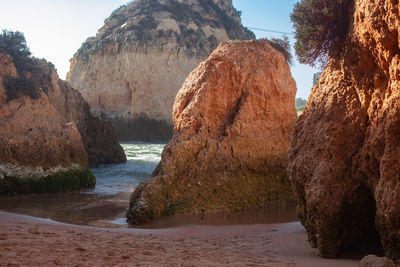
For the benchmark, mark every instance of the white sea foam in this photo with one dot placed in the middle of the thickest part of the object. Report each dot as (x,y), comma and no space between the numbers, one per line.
(142,160)
(143,152)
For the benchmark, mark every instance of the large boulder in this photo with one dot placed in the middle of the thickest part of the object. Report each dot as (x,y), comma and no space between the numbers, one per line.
(233,119)
(344,161)
(132,70)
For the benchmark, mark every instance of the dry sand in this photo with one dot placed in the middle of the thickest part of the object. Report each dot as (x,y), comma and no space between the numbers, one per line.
(29,241)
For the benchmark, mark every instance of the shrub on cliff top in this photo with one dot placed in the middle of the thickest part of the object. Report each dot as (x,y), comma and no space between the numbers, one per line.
(38,80)
(283,46)
(20,85)
(320,27)
(14,44)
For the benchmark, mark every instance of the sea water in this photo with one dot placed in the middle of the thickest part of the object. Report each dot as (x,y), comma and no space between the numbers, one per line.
(142,159)
(107,203)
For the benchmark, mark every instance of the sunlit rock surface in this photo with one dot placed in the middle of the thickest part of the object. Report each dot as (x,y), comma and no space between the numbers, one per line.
(345,156)
(48,133)
(233,120)
(131,71)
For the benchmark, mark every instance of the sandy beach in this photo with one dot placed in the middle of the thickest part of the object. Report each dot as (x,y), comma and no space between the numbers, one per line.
(30,241)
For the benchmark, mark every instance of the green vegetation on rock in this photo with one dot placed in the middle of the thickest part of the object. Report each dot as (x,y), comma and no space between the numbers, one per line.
(14,44)
(244,191)
(134,26)
(300,103)
(283,46)
(320,29)
(70,180)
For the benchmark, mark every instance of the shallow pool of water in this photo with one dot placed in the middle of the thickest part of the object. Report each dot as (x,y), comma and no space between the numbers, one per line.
(105,205)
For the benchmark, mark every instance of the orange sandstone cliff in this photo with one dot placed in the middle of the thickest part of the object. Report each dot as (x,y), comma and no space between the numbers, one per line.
(344,161)
(98,136)
(47,134)
(33,132)
(233,119)
(131,71)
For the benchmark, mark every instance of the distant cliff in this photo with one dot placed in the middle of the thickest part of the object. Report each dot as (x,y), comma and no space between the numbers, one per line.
(132,70)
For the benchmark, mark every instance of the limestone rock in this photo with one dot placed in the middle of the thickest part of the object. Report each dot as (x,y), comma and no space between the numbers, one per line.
(344,161)
(132,70)
(33,132)
(233,120)
(35,140)
(46,129)
(98,136)
(374,261)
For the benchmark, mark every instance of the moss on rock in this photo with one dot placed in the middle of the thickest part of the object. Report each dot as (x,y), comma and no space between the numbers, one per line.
(212,194)
(73,179)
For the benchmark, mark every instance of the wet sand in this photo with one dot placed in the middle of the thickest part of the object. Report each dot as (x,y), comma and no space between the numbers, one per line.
(108,211)
(29,241)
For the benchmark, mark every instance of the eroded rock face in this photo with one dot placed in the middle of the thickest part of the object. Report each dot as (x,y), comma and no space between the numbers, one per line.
(132,70)
(233,119)
(345,155)
(33,132)
(98,136)
(46,129)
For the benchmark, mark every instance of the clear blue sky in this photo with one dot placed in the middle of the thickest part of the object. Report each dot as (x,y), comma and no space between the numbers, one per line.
(55,29)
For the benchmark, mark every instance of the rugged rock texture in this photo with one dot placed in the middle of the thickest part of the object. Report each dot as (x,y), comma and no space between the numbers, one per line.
(233,121)
(39,150)
(132,70)
(374,261)
(33,132)
(46,130)
(345,155)
(98,136)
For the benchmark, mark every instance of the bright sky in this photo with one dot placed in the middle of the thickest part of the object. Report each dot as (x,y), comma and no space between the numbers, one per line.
(55,29)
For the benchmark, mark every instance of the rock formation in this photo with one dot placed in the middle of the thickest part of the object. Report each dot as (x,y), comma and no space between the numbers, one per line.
(47,134)
(345,155)
(374,261)
(132,70)
(33,132)
(233,121)
(98,136)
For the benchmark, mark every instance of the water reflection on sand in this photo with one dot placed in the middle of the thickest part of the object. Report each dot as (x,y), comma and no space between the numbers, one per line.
(105,206)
